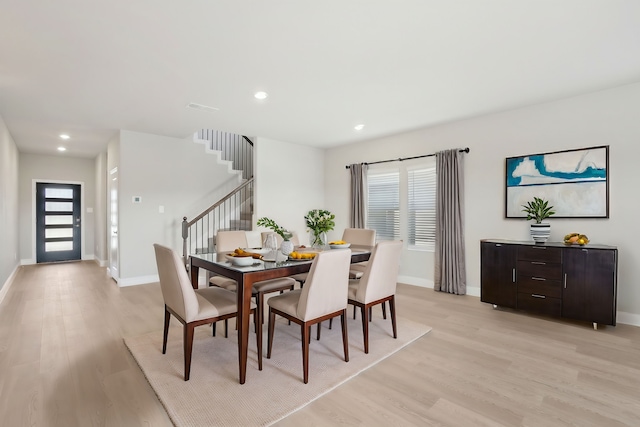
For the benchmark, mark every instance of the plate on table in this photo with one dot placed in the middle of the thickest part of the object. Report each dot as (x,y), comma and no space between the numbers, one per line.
(242,261)
(339,245)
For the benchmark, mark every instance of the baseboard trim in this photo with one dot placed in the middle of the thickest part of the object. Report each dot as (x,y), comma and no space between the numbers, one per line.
(628,318)
(426,283)
(7,284)
(101,262)
(140,280)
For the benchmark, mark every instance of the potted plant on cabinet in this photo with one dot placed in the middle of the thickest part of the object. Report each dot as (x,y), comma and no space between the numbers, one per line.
(539,210)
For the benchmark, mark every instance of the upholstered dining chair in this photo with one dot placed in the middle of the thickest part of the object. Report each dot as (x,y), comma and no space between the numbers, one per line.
(229,241)
(377,285)
(359,236)
(192,307)
(323,297)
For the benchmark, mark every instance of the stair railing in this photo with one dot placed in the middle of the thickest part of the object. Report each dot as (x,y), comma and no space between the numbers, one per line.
(235,148)
(233,212)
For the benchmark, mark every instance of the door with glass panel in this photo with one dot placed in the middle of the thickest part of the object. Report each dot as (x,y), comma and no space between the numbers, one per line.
(57,222)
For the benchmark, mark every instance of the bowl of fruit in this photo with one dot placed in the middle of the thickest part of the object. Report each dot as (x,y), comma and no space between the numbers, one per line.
(576,239)
(339,244)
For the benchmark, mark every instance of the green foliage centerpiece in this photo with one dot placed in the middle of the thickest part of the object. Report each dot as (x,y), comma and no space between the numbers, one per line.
(269,223)
(319,221)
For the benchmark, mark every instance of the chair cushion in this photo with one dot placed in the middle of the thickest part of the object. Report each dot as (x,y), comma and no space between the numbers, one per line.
(287,302)
(355,274)
(300,277)
(224,282)
(214,302)
(273,285)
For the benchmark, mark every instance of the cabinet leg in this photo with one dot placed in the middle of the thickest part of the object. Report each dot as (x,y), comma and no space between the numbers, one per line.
(495,306)
(595,326)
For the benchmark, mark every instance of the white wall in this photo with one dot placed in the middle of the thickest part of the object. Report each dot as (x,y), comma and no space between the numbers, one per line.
(169,172)
(289,183)
(8,206)
(100,210)
(603,118)
(59,168)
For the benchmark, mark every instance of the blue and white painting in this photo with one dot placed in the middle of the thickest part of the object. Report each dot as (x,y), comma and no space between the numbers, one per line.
(574,182)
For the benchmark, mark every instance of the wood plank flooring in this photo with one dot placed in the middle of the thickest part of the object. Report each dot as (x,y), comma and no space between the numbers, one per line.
(63,363)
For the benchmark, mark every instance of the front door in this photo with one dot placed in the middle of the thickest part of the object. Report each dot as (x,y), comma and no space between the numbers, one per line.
(57,222)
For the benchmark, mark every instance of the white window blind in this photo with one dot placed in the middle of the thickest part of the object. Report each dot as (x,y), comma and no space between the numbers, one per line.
(422,208)
(383,204)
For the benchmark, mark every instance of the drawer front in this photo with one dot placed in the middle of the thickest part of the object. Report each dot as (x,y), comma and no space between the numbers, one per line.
(546,305)
(540,253)
(541,269)
(548,288)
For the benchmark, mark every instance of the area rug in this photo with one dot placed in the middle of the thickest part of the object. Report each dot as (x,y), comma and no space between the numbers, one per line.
(213,396)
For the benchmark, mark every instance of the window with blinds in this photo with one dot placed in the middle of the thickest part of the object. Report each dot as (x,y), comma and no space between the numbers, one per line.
(421,212)
(383,204)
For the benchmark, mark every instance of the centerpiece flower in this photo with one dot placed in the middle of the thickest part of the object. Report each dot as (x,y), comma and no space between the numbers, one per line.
(319,221)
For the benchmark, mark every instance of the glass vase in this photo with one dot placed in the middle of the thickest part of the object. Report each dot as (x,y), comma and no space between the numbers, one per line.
(318,240)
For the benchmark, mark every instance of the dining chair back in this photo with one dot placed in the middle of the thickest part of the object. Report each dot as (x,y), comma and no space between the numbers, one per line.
(327,286)
(190,306)
(359,236)
(231,240)
(377,285)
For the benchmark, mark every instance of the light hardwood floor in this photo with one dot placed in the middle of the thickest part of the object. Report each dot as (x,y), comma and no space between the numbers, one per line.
(63,363)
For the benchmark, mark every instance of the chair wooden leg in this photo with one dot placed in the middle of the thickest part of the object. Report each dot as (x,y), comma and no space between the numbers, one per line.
(370,314)
(188,347)
(384,310)
(306,335)
(354,311)
(331,322)
(345,337)
(319,329)
(167,319)
(272,321)
(226,328)
(392,309)
(260,312)
(258,338)
(365,328)
(213,329)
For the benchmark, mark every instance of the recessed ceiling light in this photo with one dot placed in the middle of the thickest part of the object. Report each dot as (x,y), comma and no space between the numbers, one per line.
(64,136)
(261,95)
(62,149)
(202,107)
(358,127)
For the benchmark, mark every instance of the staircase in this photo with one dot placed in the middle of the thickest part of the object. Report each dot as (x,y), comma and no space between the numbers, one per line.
(234,211)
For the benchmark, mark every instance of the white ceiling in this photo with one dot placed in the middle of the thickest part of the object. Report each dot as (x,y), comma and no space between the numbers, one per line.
(90,67)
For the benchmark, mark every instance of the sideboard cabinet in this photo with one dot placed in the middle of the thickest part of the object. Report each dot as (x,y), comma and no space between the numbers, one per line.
(575,282)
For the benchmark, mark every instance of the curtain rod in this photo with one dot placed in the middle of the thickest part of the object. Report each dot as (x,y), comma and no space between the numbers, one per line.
(461,150)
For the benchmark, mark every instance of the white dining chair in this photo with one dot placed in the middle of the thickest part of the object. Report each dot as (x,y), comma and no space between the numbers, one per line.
(323,297)
(190,306)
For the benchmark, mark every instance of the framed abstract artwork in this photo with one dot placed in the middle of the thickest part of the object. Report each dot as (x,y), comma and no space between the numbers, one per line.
(575,182)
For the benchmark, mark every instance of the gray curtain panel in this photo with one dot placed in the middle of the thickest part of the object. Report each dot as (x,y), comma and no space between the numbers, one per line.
(358,193)
(449,269)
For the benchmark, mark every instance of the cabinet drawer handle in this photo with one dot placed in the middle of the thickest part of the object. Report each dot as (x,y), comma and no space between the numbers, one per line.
(538,263)
(565,280)
(539,278)
(539,247)
(498,245)
(538,296)
(513,275)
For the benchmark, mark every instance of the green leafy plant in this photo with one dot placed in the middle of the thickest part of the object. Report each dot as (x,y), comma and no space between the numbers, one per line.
(538,210)
(269,223)
(319,221)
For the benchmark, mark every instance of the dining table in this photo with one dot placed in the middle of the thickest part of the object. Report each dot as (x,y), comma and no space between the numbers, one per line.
(271,266)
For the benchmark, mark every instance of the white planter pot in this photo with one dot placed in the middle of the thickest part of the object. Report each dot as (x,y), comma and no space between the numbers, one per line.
(540,232)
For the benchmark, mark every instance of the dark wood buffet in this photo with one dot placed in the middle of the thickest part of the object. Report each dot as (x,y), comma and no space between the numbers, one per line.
(574,282)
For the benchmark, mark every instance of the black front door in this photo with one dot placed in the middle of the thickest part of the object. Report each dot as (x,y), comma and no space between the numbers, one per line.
(57,222)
